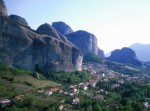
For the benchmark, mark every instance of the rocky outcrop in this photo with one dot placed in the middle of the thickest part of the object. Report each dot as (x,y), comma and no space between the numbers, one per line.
(3,10)
(100,53)
(47,29)
(85,41)
(62,27)
(20,47)
(18,19)
(125,55)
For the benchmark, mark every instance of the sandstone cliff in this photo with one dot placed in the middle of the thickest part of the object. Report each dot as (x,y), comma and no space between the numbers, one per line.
(62,27)
(85,41)
(3,10)
(19,19)
(100,53)
(21,47)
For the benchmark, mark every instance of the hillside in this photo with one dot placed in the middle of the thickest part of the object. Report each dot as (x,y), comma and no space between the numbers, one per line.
(92,88)
(14,82)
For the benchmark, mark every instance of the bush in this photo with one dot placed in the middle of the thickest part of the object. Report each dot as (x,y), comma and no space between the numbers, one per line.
(69,78)
(3,67)
(93,58)
(11,79)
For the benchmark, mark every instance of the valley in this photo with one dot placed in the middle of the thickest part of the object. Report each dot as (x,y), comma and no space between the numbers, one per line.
(99,88)
(55,68)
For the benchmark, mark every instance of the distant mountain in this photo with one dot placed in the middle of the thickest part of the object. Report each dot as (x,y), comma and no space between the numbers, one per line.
(142,51)
(125,55)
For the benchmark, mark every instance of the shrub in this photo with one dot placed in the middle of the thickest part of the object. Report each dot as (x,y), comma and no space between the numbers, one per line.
(93,58)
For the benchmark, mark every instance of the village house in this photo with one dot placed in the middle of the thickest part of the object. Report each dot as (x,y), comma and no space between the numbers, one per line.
(102,92)
(120,81)
(73,90)
(75,100)
(84,85)
(49,91)
(61,107)
(146,104)
(92,83)
(113,86)
(99,97)
(61,91)
(5,102)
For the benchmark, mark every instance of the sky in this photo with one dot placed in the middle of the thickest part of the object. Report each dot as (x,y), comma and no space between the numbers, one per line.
(115,23)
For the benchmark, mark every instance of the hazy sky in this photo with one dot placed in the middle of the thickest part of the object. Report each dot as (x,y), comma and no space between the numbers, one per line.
(115,23)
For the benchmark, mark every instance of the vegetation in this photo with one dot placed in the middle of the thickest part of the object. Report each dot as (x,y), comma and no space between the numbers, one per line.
(121,68)
(69,78)
(4,70)
(129,96)
(14,82)
(93,59)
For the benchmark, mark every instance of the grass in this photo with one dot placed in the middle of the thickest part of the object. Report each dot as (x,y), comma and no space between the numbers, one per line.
(14,82)
(35,82)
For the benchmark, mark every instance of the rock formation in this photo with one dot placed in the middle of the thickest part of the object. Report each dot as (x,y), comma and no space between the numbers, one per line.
(21,47)
(62,27)
(85,41)
(125,55)
(3,10)
(19,19)
(100,53)
(47,29)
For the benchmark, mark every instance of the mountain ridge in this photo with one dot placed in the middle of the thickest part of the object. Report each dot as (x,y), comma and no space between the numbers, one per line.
(142,51)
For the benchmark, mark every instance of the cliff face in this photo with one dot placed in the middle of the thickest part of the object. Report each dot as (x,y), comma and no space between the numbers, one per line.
(62,27)
(85,41)
(125,55)
(20,47)
(100,53)
(3,10)
(19,19)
